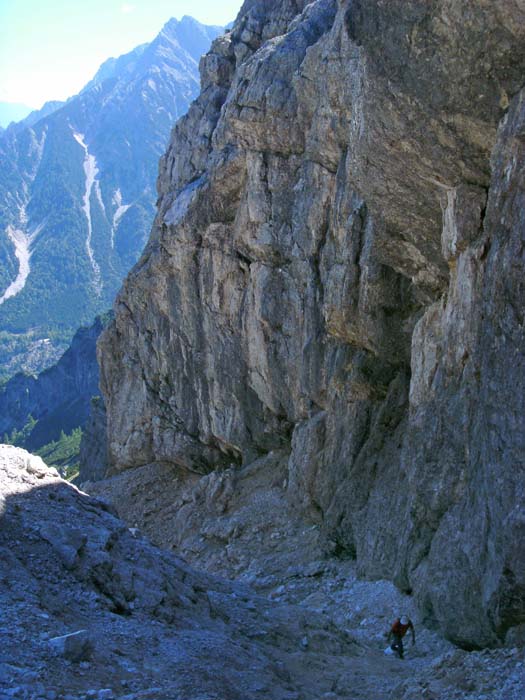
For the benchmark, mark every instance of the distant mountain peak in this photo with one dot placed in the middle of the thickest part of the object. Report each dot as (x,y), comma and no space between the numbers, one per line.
(116,67)
(92,195)
(13,112)
(192,36)
(187,19)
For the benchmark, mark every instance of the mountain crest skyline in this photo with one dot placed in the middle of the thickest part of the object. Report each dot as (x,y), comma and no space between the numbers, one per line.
(77,193)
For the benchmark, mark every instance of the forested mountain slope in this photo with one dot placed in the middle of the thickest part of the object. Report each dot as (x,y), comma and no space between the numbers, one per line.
(77,192)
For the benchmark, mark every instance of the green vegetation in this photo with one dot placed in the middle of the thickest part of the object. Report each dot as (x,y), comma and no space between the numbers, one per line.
(18,437)
(30,352)
(64,453)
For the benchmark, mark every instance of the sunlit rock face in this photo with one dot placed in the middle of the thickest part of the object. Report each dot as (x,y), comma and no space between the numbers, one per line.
(335,273)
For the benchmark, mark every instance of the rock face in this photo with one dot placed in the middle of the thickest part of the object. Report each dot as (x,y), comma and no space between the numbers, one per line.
(235,523)
(335,275)
(93,456)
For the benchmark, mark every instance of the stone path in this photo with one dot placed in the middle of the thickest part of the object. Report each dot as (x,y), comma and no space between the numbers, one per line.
(154,628)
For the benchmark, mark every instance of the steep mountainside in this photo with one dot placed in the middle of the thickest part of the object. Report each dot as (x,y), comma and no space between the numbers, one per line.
(39,407)
(335,278)
(77,190)
(12,112)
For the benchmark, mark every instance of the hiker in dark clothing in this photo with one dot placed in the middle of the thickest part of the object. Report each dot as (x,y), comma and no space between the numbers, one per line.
(398,631)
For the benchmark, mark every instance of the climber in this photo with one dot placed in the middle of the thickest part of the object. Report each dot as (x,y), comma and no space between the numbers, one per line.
(398,630)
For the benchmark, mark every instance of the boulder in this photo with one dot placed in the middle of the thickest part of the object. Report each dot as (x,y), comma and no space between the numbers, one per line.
(75,646)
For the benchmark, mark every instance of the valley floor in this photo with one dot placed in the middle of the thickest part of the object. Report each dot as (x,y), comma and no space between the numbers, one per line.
(290,627)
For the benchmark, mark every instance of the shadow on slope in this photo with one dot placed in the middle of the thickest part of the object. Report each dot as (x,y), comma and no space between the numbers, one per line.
(155,627)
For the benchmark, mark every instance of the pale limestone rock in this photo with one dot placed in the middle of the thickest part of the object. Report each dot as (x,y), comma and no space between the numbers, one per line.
(328,279)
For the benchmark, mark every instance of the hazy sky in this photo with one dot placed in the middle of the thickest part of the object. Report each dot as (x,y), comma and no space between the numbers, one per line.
(49,49)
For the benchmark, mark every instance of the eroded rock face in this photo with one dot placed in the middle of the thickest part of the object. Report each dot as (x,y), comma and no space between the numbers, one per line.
(464,451)
(93,455)
(335,273)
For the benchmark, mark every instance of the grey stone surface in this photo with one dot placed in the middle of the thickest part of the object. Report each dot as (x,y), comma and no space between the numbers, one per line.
(75,646)
(335,274)
(156,627)
(93,456)
(466,424)
(318,631)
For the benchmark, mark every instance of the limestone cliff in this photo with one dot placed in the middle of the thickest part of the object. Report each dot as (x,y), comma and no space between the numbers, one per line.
(335,276)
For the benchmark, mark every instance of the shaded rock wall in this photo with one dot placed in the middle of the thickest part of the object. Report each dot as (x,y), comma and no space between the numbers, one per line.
(59,397)
(93,455)
(334,272)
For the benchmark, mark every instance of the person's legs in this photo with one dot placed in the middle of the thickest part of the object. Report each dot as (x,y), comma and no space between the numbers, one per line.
(397,646)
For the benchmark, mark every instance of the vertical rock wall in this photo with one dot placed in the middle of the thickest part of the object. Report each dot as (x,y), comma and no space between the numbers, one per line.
(335,273)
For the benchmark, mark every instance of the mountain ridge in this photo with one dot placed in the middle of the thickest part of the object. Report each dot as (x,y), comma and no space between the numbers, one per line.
(12,112)
(78,190)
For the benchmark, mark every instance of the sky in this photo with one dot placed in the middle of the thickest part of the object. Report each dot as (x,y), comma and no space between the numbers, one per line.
(49,49)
